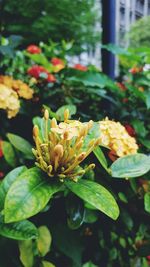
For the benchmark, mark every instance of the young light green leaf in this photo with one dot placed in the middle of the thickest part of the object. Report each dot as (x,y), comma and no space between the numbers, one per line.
(47,264)
(130,166)
(28,195)
(21,144)
(147,202)
(26,253)
(8,181)
(96,195)
(19,231)
(44,240)
(9,153)
(89,264)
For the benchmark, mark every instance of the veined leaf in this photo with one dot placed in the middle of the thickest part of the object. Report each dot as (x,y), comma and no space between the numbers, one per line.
(8,181)
(96,195)
(130,166)
(19,231)
(28,195)
(21,144)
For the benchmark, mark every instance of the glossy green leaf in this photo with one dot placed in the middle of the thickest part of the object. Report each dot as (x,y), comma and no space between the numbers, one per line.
(101,158)
(60,111)
(19,231)
(44,240)
(147,202)
(75,211)
(8,181)
(130,166)
(21,144)
(28,195)
(96,195)
(26,253)
(9,153)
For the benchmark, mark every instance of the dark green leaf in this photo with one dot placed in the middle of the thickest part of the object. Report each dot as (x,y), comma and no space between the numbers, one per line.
(28,195)
(21,144)
(8,181)
(96,195)
(75,212)
(131,166)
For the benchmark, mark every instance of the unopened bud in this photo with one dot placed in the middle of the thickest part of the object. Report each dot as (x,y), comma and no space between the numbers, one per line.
(46,114)
(81,156)
(58,151)
(53,123)
(35,131)
(50,168)
(66,114)
(90,124)
(66,135)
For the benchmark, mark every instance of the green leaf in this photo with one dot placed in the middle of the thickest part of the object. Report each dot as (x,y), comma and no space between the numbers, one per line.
(89,264)
(8,181)
(19,231)
(21,144)
(60,111)
(47,264)
(28,195)
(9,153)
(130,166)
(147,98)
(101,158)
(44,240)
(26,253)
(147,202)
(96,195)
(75,211)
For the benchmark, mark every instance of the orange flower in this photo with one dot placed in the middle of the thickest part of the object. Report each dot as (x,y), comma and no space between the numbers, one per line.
(58,64)
(33,49)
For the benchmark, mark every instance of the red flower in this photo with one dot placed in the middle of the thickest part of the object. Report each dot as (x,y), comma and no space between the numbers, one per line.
(36,70)
(33,49)
(51,78)
(80,67)
(130,130)
(57,61)
(148,259)
(1,151)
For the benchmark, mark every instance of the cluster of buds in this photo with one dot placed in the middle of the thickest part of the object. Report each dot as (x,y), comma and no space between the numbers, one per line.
(64,146)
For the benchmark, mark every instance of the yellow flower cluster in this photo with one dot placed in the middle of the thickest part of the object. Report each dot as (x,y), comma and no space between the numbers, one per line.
(21,88)
(64,147)
(116,138)
(9,101)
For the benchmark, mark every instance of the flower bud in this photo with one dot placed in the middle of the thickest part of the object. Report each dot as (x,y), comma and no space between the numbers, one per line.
(46,114)
(66,114)
(35,131)
(53,123)
(58,151)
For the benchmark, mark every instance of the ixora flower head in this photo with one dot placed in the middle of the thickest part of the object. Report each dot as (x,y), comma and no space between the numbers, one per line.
(116,138)
(9,101)
(64,146)
(21,88)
